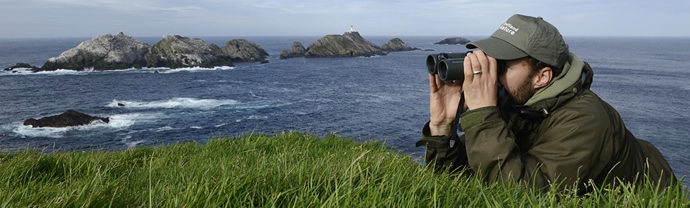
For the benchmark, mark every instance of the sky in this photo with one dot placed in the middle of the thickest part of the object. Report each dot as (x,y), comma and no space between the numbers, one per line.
(155,18)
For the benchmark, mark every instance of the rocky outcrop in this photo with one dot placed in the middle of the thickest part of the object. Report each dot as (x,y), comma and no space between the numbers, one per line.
(241,50)
(66,119)
(22,65)
(396,44)
(120,51)
(101,53)
(176,51)
(297,50)
(453,41)
(347,45)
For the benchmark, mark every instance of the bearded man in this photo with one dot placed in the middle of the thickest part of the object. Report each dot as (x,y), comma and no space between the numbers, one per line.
(553,130)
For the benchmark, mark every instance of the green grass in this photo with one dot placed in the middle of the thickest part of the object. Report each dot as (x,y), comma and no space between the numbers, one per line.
(285,170)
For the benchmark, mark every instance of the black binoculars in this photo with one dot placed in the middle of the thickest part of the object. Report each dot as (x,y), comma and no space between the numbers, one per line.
(449,66)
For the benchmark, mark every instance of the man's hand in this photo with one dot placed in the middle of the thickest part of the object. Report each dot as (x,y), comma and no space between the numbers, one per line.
(481,80)
(444,98)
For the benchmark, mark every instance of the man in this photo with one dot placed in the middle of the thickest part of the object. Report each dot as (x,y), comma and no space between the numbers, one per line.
(554,133)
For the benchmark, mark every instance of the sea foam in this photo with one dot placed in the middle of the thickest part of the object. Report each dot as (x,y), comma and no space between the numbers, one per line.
(162,70)
(173,103)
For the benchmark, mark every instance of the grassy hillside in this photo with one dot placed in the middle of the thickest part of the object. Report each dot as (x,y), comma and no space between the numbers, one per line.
(286,170)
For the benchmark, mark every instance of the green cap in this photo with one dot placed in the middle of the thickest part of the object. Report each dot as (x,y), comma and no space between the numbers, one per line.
(522,36)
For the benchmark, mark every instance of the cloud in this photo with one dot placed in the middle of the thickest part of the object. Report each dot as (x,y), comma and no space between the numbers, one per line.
(128,6)
(60,18)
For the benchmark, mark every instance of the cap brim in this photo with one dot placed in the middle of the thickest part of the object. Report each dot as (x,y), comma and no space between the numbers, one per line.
(497,48)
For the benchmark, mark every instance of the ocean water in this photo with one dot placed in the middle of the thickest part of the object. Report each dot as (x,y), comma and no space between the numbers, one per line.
(382,98)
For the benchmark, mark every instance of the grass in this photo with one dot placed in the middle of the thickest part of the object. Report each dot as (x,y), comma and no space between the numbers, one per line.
(285,170)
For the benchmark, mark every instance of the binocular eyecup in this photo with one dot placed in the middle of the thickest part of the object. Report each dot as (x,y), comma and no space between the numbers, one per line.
(449,66)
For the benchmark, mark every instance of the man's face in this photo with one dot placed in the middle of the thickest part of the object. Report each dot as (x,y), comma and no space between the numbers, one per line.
(518,80)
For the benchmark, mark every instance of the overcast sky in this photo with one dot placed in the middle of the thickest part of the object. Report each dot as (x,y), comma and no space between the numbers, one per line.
(139,18)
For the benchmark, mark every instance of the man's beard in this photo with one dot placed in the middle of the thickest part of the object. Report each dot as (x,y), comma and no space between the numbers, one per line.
(523,92)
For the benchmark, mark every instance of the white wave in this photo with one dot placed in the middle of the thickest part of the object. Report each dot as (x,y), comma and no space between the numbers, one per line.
(219,125)
(164,70)
(120,121)
(188,69)
(50,132)
(60,72)
(134,143)
(196,127)
(173,103)
(255,117)
(165,128)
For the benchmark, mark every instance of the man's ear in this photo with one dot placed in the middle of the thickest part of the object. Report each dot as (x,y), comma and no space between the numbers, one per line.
(543,77)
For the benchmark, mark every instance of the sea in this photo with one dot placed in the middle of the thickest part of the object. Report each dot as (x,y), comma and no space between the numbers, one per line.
(379,98)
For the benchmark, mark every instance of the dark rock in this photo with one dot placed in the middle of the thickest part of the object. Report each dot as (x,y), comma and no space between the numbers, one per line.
(347,45)
(103,52)
(241,50)
(396,44)
(454,41)
(68,118)
(21,65)
(428,49)
(297,50)
(176,51)
(264,62)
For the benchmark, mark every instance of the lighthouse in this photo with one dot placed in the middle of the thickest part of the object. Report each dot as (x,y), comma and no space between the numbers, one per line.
(352,29)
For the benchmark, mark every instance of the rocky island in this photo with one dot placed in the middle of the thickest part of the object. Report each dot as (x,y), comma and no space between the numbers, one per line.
(175,51)
(103,52)
(241,50)
(453,41)
(349,44)
(396,44)
(120,51)
(297,50)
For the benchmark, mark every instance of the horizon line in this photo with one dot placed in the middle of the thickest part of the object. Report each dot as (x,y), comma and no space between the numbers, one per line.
(210,36)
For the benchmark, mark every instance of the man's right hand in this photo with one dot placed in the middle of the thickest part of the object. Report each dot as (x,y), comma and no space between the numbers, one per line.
(444,98)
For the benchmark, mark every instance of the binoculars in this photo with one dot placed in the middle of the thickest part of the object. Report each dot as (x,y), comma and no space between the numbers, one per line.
(449,66)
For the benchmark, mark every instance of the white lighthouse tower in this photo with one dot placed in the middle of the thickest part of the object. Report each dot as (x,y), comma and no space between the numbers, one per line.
(352,29)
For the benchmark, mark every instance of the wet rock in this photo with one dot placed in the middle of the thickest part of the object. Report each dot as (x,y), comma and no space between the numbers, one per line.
(21,65)
(66,119)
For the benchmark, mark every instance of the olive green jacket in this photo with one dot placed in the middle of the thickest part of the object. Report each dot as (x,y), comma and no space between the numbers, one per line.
(564,135)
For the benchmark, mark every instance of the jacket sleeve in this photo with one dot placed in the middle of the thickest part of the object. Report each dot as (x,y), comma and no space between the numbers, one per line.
(562,154)
(443,152)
